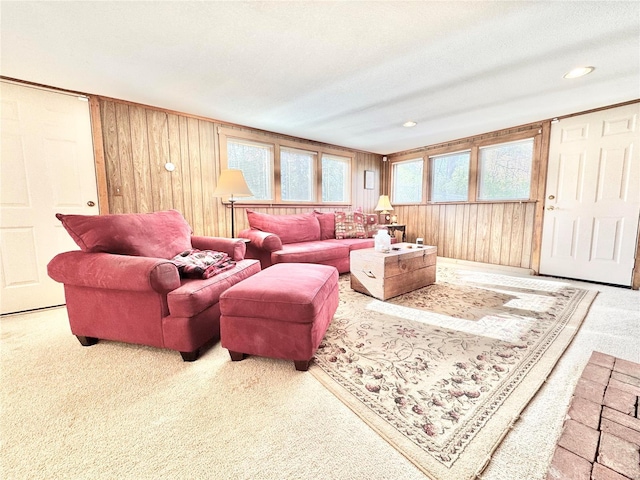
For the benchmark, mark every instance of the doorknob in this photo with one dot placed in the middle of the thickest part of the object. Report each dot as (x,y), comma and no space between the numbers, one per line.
(91,203)
(551,207)
(551,197)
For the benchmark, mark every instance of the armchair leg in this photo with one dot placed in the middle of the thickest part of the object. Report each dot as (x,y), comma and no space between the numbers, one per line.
(236,356)
(86,341)
(190,356)
(302,365)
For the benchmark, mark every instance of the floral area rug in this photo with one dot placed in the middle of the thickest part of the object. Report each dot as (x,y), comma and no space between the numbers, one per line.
(443,372)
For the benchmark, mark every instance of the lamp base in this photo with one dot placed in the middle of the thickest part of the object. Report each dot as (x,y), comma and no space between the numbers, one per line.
(384,218)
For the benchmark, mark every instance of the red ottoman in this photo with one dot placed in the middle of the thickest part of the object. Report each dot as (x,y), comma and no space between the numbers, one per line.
(280,312)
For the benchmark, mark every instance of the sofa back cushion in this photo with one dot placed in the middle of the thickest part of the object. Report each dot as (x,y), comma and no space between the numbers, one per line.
(303,227)
(159,234)
(327,224)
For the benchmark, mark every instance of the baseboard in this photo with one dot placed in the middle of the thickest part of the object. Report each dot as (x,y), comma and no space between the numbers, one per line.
(445,261)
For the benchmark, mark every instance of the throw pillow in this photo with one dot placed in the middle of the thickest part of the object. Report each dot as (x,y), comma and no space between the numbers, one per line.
(349,225)
(327,224)
(303,227)
(370,224)
(158,234)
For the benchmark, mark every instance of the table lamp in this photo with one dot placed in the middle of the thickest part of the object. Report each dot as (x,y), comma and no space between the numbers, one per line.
(232,183)
(384,207)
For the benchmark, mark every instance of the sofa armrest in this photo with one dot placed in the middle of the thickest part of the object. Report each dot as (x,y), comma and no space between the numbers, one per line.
(262,240)
(233,247)
(115,272)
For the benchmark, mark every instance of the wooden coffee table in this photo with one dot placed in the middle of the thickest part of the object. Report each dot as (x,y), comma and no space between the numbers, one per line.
(386,275)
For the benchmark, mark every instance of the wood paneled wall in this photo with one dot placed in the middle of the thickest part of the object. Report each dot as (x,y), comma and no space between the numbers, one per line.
(497,233)
(138,141)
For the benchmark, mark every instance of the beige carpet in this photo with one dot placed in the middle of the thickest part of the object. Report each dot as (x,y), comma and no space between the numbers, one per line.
(442,373)
(129,412)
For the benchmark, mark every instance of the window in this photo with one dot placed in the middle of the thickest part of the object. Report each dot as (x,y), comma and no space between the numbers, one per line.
(336,178)
(505,171)
(450,177)
(286,171)
(256,162)
(406,180)
(297,175)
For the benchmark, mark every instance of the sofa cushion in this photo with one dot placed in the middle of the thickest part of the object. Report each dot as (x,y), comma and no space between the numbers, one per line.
(196,295)
(284,293)
(310,252)
(159,234)
(355,243)
(303,227)
(350,225)
(327,224)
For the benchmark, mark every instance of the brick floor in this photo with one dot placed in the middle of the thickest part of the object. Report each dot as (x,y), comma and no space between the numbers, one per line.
(601,434)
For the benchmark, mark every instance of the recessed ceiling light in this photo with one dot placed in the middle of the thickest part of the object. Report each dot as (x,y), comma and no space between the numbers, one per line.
(579,72)
(409,124)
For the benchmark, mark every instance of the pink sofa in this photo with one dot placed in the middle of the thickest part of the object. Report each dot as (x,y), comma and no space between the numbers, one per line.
(315,237)
(122,285)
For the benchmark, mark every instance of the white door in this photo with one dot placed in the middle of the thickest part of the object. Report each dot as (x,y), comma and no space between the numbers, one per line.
(592,203)
(46,166)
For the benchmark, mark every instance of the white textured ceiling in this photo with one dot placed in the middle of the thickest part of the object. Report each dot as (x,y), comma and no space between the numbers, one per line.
(346,73)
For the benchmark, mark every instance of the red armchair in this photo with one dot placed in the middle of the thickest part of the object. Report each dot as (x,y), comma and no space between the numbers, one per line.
(122,285)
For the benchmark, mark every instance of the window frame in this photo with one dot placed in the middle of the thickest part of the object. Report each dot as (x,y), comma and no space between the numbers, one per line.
(225,134)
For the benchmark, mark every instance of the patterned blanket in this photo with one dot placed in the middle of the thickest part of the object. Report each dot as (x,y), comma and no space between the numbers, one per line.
(202,263)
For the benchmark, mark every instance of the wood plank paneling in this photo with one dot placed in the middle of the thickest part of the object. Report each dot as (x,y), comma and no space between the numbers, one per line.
(483,233)
(193,139)
(112,158)
(175,156)
(143,187)
(158,138)
(506,237)
(127,189)
(211,218)
(471,232)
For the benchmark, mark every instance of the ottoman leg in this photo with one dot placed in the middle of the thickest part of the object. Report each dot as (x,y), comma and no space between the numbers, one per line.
(236,356)
(302,365)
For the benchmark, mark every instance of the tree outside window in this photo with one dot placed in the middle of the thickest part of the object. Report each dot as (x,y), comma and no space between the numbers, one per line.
(450,177)
(336,178)
(505,171)
(256,162)
(407,181)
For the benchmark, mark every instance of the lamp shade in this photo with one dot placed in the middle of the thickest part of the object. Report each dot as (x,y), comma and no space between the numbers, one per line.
(232,183)
(384,205)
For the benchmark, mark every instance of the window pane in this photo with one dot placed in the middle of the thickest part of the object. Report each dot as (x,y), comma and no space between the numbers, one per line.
(407,181)
(336,175)
(505,171)
(256,162)
(297,169)
(450,177)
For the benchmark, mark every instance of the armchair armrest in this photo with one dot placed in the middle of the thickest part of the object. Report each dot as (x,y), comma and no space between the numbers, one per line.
(262,240)
(115,272)
(233,247)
